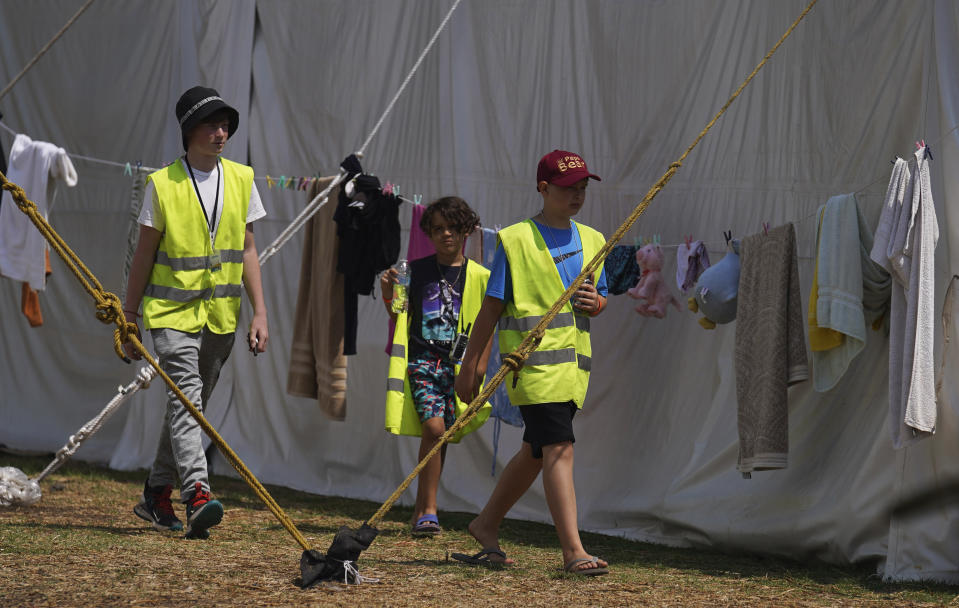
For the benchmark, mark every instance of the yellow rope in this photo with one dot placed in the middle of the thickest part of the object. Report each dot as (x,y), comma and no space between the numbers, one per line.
(110,310)
(514,360)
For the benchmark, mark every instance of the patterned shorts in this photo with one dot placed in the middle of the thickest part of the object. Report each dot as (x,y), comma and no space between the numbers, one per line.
(431,382)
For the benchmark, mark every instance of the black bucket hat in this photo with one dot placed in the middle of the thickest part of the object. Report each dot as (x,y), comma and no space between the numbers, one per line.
(198,103)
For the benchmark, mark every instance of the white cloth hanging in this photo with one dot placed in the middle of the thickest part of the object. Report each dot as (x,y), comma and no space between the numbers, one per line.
(22,247)
(905,246)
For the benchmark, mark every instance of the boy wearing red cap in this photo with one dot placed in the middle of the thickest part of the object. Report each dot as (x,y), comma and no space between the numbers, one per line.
(195,254)
(536,261)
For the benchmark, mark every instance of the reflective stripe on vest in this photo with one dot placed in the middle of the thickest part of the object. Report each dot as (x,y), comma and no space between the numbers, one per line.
(558,370)
(188,295)
(195,283)
(401,416)
(202,262)
(563,319)
(554,357)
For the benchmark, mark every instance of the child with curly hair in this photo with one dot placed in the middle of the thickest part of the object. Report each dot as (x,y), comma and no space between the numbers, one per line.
(445,294)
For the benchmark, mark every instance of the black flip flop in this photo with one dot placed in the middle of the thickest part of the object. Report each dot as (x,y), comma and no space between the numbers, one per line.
(481,558)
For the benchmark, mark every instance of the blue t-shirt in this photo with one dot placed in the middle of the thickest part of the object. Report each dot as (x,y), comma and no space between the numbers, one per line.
(567,250)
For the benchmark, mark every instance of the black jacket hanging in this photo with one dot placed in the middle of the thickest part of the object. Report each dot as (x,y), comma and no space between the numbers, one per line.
(369,230)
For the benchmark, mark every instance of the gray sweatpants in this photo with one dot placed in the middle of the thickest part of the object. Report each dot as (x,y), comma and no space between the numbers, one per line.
(193,361)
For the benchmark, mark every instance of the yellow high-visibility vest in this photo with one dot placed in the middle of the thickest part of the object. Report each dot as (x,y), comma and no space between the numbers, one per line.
(401,416)
(195,283)
(558,370)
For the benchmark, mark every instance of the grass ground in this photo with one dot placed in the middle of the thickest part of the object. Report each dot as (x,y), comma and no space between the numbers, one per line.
(81,545)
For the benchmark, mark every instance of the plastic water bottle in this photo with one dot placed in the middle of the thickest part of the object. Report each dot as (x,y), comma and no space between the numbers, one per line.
(401,288)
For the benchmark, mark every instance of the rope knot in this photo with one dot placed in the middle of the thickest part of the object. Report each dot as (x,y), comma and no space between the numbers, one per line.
(676,165)
(121,335)
(18,195)
(109,308)
(514,361)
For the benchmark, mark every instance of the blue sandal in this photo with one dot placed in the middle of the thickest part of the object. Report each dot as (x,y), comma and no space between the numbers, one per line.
(428,525)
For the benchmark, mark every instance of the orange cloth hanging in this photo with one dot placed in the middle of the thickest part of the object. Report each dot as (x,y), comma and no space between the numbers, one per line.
(30,298)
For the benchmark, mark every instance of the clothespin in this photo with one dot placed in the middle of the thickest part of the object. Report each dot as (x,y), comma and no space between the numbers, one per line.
(281,182)
(638,241)
(127,170)
(766,228)
(303,182)
(656,239)
(291,183)
(396,189)
(728,236)
(417,199)
(269,182)
(689,240)
(388,188)
(929,152)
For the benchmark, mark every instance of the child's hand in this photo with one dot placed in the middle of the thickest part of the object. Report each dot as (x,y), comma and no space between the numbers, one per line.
(128,348)
(387,280)
(586,298)
(465,385)
(258,335)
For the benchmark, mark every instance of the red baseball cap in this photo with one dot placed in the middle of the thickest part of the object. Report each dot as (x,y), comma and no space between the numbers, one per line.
(562,168)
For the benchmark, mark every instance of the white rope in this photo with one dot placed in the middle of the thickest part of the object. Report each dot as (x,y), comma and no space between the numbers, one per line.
(416,66)
(144,376)
(350,569)
(323,197)
(314,205)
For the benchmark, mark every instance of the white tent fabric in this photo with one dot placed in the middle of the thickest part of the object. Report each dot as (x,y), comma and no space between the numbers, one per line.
(626,84)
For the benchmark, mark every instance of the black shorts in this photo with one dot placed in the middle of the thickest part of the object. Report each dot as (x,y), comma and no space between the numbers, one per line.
(547,424)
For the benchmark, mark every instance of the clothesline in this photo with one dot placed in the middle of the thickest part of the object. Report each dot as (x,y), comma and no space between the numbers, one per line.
(287,183)
(303,183)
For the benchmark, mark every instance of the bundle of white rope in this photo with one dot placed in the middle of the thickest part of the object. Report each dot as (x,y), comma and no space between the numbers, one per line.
(16,488)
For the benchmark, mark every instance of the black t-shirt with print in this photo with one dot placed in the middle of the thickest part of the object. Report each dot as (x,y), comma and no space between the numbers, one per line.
(434,305)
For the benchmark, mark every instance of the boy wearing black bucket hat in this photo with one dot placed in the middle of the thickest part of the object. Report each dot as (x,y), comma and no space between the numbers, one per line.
(195,254)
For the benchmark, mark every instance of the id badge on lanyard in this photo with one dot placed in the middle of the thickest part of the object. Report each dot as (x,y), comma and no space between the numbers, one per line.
(216,261)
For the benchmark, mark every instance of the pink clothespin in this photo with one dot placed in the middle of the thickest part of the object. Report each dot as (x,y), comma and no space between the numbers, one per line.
(388,188)
(689,240)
